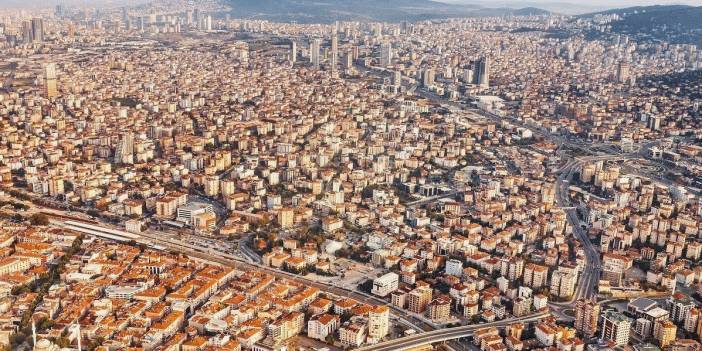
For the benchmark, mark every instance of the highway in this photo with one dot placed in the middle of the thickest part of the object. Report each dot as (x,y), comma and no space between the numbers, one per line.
(585,288)
(246,251)
(208,254)
(587,283)
(591,272)
(589,277)
(430,199)
(426,333)
(445,334)
(251,261)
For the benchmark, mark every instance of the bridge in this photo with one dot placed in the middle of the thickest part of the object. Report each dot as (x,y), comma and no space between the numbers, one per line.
(441,335)
(432,198)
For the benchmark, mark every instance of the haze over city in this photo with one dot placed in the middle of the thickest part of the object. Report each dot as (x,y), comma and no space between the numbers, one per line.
(274,175)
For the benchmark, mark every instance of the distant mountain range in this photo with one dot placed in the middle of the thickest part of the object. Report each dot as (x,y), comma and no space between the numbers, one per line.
(673,23)
(640,10)
(311,11)
(566,7)
(678,24)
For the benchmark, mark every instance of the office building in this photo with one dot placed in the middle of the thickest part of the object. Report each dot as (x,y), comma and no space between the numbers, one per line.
(196,16)
(189,17)
(654,122)
(208,23)
(187,212)
(37,30)
(27,32)
(348,60)
(482,72)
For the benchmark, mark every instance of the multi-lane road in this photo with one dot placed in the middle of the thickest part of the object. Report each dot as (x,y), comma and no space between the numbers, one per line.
(440,335)
(432,199)
(585,287)
(589,276)
(591,272)
(212,255)
(425,333)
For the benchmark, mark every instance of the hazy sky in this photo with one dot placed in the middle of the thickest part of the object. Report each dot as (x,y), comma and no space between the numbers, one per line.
(599,3)
(561,6)
(51,3)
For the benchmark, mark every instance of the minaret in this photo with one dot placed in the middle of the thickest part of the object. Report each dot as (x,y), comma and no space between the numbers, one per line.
(34,333)
(79,337)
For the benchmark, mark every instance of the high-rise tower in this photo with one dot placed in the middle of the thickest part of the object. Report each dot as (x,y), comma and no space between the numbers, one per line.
(50,76)
(293,52)
(482,72)
(334,50)
(124,153)
(37,30)
(385,54)
(27,35)
(623,72)
(314,52)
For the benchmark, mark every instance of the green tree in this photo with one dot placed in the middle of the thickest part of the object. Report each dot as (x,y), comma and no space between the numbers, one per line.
(39,219)
(366,286)
(63,342)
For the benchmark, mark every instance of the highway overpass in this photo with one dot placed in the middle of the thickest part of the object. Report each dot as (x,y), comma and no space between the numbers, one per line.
(446,334)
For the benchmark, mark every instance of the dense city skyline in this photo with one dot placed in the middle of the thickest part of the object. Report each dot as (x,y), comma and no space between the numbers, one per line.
(274,175)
